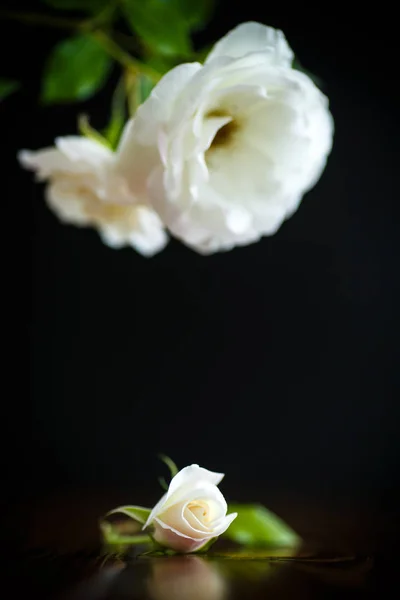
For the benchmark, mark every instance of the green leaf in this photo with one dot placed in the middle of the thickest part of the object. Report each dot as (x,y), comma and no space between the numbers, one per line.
(161,64)
(257,526)
(258,552)
(196,12)
(83,5)
(138,513)
(158,550)
(146,85)
(7,87)
(173,469)
(160,25)
(113,537)
(76,70)
(118,115)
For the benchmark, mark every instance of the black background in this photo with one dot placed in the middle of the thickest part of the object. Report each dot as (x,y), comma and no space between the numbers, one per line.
(275,363)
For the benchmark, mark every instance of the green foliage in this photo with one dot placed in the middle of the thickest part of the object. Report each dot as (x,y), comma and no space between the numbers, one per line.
(146,85)
(144,90)
(138,513)
(114,534)
(88,131)
(78,66)
(7,87)
(196,12)
(77,69)
(84,5)
(173,469)
(160,25)
(158,550)
(117,121)
(112,537)
(257,526)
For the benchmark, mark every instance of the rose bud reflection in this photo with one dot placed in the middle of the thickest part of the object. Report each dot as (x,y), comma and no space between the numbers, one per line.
(183,577)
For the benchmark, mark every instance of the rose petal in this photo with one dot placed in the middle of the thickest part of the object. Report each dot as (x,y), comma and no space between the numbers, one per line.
(79,148)
(253,37)
(193,521)
(44,162)
(193,475)
(148,237)
(72,154)
(192,483)
(223,526)
(157,508)
(171,538)
(175,517)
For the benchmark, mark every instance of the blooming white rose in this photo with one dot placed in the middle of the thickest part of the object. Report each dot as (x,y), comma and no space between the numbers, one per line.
(85,190)
(192,512)
(227,149)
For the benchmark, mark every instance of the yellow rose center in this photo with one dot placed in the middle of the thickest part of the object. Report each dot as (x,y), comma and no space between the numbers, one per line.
(200,510)
(226,134)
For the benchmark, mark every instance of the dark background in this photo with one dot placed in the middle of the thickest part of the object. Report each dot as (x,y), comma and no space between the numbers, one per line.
(276,363)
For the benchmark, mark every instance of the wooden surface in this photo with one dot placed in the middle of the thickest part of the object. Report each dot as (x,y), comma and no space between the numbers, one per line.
(53,550)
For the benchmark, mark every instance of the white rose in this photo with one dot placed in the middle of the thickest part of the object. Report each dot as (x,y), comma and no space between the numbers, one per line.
(192,512)
(226,151)
(85,190)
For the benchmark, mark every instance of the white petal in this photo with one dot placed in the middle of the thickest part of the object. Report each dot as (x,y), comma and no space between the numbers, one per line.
(72,154)
(156,510)
(147,243)
(111,237)
(175,517)
(169,537)
(171,85)
(171,528)
(79,148)
(149,237)
(238,220)
(193,521)
(192,475)
(202,491)
(239,99)
(134,162)
(67,204)
(158,107)
(45,162)
(223,526)
(209,130)
(253,37)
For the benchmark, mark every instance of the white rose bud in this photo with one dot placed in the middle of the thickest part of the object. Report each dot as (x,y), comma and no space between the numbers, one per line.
(85,190)
(192,512)
(227,149)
